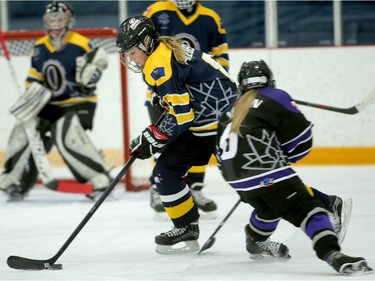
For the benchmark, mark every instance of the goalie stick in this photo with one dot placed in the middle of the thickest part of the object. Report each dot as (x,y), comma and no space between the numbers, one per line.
(366,102)
(211,241)
(22,263)
(37,147)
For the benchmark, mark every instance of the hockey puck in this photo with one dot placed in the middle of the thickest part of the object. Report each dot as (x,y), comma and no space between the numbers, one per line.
(54,266)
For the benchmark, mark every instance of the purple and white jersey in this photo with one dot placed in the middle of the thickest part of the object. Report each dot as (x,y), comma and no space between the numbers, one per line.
(275,133)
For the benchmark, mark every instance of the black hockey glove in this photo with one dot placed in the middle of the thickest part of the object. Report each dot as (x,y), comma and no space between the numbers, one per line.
(159,103)
(148,143)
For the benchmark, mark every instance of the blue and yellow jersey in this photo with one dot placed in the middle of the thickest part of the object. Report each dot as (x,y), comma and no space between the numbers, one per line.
(202,31)
(56,68)
(198,92)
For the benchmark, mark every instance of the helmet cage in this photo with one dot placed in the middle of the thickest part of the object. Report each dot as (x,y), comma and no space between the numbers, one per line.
(130,64)
(184,4)
(253,75)
(58,18)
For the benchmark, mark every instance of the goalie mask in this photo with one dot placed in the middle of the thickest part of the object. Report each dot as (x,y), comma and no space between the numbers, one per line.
(184,4)
(137,32)
(253,75)
(58,19)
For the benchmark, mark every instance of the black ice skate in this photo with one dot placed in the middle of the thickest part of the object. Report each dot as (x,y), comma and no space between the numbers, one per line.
(187,236)
(339,214)
(267,250)
(347,265)
(205,205)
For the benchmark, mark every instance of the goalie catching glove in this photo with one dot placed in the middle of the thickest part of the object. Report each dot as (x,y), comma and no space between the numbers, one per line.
(148,143)
(90,66)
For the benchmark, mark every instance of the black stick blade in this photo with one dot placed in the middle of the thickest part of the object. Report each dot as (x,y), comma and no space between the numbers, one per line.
(209,243)
(29,264)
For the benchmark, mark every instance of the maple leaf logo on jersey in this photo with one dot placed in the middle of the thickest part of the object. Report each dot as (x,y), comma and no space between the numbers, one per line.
(266,153)
(163,20)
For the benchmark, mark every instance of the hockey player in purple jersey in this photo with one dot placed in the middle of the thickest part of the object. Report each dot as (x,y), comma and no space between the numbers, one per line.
(259,137)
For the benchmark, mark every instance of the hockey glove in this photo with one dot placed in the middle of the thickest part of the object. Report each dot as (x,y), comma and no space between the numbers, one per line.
(159,103)
(148,143)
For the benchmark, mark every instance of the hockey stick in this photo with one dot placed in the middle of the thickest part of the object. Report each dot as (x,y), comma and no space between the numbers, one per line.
(17,262)
(366,102)
(211,241)
(37,147)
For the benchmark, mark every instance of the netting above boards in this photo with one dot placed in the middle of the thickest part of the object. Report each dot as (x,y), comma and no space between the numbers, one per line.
(21,42)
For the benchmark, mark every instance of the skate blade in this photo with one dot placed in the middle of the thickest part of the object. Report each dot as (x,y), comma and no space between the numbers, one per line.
(207,215)
(359,268)
(346,212)
(267,258)
(183,247)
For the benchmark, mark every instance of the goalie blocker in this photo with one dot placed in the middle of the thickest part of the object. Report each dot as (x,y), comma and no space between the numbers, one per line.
(31,102)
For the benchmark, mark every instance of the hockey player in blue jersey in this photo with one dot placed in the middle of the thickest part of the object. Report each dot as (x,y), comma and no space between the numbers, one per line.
(194,90)
(66,67)
(199,28)
(258,139)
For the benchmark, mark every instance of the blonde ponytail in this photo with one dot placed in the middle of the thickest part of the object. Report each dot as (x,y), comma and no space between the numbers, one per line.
(241,109)
(179,52)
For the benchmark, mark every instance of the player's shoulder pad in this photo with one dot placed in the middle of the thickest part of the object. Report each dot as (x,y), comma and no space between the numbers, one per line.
(159,6)
(204,11)
(158,67)
(280,96)
(79,40)
(42,40)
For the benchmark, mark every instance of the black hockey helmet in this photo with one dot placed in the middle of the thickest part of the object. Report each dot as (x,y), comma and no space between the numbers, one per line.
(255,74)
(138,32)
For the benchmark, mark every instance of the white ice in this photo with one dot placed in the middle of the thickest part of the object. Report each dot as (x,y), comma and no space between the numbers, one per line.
(118,241)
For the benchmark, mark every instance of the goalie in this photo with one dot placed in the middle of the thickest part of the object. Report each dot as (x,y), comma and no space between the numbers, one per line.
(60,99)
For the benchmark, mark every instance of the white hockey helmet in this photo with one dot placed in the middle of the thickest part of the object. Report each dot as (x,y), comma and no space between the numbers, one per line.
(184,4)
(58,18)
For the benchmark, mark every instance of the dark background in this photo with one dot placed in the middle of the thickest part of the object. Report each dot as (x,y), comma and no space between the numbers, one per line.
(300,23)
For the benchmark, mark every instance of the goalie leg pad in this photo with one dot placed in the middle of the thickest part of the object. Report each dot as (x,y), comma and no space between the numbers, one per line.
(31,102)
(77,150)
(19,167)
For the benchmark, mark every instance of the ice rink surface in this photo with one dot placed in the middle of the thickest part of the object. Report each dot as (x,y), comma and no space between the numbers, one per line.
(118,241)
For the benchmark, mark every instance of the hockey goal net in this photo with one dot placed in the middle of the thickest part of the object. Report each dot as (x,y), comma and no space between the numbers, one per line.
(111,133)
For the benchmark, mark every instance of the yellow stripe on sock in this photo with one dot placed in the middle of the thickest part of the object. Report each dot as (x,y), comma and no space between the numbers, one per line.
(181,209)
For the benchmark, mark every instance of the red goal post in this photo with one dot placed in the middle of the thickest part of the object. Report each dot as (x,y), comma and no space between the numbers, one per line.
(20,43)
